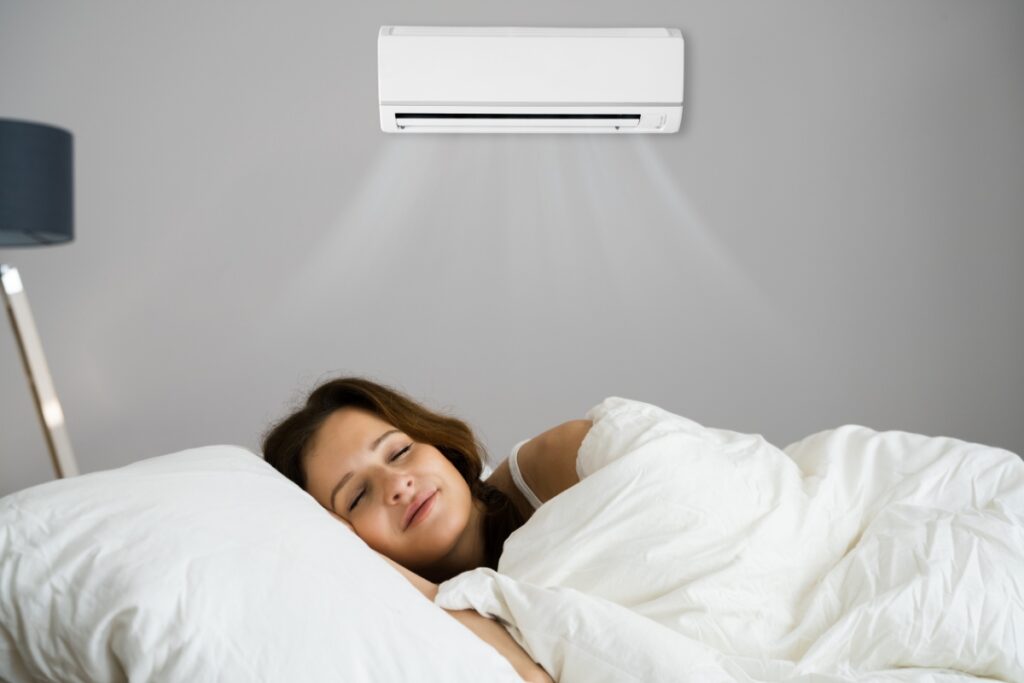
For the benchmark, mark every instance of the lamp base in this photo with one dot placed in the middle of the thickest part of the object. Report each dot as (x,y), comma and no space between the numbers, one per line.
(47,405)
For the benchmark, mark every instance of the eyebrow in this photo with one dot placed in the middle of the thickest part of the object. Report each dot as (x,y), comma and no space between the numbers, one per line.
(344,479)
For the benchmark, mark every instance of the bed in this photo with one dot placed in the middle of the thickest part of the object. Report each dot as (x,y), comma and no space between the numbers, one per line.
(685,553)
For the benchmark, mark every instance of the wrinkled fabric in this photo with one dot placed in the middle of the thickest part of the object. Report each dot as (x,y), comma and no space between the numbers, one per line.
(691,553)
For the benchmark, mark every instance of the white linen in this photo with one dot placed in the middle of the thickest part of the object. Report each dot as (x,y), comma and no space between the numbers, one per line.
(209,565)
(688,553)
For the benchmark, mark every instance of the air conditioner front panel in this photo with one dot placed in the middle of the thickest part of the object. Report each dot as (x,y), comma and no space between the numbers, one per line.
(553,68)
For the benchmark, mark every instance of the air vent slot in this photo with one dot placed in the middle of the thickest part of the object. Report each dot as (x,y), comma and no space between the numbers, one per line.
(496,120)
(520,121)
(543,117)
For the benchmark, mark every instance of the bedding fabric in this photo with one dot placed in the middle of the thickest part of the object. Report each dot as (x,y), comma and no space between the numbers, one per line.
(689,553)
(209,565)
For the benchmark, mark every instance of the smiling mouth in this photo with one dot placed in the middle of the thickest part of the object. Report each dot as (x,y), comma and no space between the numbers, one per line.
(419,509)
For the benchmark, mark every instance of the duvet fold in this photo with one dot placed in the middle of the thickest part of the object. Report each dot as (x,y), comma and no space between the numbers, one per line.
(694,554)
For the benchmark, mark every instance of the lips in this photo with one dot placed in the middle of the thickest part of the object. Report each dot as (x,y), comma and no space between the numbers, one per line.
(415,505)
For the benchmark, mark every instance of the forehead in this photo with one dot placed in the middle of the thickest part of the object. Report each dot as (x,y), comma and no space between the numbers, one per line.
(347,432)
(339,446)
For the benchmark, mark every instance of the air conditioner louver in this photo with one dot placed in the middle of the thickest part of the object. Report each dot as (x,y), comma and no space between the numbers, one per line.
(498,122)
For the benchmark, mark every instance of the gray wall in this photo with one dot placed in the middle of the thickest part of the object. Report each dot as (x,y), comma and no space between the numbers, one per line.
(834,236)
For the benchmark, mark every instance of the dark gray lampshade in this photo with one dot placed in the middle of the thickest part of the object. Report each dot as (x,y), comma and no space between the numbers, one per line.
(36,194)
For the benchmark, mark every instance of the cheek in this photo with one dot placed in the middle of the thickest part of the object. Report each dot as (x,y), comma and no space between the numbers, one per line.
(372,527)
(458,486)
(459,503)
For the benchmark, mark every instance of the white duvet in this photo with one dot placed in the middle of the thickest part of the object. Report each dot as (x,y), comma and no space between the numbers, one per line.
(694,554)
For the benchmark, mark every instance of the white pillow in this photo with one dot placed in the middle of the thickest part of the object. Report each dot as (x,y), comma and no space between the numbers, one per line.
(210,565)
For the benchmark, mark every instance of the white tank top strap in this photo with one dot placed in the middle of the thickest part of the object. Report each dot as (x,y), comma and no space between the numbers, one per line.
(517,477)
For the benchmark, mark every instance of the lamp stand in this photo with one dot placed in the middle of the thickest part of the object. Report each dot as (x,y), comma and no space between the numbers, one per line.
(50,414)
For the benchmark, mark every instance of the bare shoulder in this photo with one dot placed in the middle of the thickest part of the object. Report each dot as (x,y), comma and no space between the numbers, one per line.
(501,479)
(548,461)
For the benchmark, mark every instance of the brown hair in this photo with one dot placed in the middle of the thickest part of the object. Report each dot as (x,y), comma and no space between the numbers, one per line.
(286,443)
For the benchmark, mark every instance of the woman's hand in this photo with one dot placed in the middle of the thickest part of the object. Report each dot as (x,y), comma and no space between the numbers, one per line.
(495,635)
(488,630)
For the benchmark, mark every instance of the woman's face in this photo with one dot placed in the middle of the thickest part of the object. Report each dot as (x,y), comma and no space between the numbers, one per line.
(404,499)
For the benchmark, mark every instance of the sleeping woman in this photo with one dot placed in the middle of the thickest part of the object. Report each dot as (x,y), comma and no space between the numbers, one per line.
(407,481)
(673,551)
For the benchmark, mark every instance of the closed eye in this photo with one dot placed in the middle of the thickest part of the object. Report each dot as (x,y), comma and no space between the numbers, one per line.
(392,458)
(399,454)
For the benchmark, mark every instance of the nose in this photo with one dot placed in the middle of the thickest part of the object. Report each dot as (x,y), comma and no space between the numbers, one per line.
(398,488)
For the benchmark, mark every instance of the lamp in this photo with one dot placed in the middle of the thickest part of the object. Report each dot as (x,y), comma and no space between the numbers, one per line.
(36,210)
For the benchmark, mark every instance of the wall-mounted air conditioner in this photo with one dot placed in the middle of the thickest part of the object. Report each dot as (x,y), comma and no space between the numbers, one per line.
(529,80)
